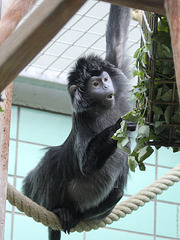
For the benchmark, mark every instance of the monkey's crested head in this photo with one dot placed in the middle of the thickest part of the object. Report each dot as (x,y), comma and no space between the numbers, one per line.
(85,68)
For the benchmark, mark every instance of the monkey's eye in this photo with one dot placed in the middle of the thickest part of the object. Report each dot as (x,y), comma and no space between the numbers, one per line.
(106,78)
(95,83)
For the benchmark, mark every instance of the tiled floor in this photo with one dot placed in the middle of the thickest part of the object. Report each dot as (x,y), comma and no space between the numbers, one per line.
(32,130)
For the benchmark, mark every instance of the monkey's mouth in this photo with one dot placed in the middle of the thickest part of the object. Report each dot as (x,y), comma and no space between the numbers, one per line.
(110,96)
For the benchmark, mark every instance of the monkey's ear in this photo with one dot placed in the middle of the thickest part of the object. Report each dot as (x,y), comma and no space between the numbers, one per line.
(72,89)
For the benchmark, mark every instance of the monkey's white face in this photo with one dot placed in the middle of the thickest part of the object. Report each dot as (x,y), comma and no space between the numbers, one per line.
(100,90)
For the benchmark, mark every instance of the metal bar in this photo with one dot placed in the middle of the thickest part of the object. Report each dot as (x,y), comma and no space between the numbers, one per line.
(163,144)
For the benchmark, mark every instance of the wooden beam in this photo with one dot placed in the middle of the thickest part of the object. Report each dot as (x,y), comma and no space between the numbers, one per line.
(13,15)
(25,43)
(156,6)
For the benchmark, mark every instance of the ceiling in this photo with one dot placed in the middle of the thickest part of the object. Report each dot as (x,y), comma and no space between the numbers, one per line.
(83,34)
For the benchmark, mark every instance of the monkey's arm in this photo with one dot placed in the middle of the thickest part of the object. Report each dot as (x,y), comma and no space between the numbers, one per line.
(101,147)
(116,35)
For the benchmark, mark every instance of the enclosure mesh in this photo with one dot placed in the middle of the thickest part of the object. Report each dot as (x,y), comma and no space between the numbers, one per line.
(83,34)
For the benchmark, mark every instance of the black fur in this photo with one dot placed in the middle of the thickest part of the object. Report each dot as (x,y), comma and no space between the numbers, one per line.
(84,177)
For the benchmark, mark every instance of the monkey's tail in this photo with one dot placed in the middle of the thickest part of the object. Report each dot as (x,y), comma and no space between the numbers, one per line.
(54,234)
(116,35)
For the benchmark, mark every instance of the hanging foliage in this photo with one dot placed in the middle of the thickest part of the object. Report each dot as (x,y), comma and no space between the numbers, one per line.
(157,110)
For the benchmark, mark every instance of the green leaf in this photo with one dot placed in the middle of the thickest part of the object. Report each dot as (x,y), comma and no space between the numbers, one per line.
(142,167)
(139,89)
(167,114)
(125,141)
(115,137)
(158,124)
(132,163)
(138,146)
(120,146)
(176,117)
(144,153)
(159,93)
(136,73)
(137,53)
(131,116)
(166,49)
(1,109)
(157,147)
(157,113)
(124,126)
(134,153)
(176,149)
(143,132)
(163,26)
(141,142)
(167,96)
(118,134)
(121,133)
(159,129)
(122,138)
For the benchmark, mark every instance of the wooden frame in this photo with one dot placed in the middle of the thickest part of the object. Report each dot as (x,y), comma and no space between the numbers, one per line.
(5,119)
(28,40)
(25,43)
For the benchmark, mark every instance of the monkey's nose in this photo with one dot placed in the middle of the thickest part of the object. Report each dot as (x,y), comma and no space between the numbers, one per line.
(105,86)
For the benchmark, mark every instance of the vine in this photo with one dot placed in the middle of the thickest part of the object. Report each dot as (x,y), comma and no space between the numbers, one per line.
(163,114)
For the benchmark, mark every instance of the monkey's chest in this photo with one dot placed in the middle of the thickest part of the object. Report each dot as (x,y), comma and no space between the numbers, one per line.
(88,192)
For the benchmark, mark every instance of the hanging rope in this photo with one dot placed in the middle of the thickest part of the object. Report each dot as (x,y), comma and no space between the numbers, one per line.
(40,214)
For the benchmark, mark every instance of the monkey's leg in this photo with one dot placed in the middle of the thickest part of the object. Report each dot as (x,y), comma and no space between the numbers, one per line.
(54,234)
(68,218)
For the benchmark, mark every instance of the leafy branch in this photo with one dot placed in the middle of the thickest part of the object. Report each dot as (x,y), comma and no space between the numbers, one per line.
(161,114)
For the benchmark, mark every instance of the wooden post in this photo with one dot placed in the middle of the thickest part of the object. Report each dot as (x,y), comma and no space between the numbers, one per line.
(5,118)
(173,13)
(9,22)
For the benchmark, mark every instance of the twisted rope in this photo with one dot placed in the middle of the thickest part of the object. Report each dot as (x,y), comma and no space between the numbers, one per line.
(40,214)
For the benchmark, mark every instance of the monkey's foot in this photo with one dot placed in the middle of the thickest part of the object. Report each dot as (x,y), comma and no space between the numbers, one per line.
(68,218)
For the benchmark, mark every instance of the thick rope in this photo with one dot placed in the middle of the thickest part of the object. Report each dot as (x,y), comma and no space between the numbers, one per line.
(48,218)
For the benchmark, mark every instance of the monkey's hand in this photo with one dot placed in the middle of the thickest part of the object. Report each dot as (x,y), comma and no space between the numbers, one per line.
(131,126)
(68,218)
(118,124)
